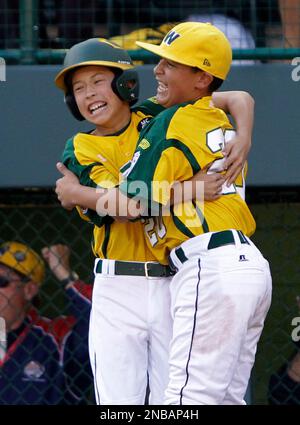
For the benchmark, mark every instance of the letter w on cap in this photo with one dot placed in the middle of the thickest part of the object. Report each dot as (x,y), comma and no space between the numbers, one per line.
(170,37)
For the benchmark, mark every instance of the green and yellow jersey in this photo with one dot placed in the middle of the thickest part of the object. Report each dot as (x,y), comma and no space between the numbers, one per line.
(96,161)
(173,147)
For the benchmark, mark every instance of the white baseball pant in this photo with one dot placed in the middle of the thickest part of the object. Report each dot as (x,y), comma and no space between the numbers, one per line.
(220,297)
(129,337)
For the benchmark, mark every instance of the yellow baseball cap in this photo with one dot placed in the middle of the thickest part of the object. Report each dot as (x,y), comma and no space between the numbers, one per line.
(24,260)
(196,44)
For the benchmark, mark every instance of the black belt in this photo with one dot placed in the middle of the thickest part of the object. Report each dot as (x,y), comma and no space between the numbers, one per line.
(147,269)
(217,240)
(225,238)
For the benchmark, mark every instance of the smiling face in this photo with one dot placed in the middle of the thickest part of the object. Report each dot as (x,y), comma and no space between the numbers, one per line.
(179,83)
(96,100)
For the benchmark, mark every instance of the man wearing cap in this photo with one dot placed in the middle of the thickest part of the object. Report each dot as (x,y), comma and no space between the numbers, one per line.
(221,292)
(35,362)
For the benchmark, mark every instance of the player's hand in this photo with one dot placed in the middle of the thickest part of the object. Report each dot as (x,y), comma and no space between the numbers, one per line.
(66,187)
(58,259)
(235,152)
(212,184)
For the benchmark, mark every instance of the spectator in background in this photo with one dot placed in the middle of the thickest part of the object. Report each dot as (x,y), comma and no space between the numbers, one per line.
(284,385)
(77,19)
(79,294)
(10,34)
(250,24)
(55,23)
(43,361)
(238,35)
(254,17)
(9,24)
(64,23)
(290,18)
(246,24)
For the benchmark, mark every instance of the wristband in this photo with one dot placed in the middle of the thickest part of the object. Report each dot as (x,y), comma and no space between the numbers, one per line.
(70,279)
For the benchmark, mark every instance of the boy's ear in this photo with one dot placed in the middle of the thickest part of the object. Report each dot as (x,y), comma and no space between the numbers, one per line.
(203,80)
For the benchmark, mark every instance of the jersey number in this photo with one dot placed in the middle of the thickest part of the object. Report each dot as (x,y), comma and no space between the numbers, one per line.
(215,141)
(155,229)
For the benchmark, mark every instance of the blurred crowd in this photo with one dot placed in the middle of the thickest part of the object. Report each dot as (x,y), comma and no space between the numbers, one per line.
(60,24)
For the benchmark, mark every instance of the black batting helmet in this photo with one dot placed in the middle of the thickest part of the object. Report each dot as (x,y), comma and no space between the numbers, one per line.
(98,51)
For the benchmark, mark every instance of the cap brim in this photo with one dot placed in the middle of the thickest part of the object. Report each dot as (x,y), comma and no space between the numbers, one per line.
(153,48)
(18,269)
(60,78)
(160,51)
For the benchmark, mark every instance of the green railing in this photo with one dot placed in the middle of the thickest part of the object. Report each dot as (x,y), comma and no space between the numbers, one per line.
(28,33)
(29,55)
(27,43)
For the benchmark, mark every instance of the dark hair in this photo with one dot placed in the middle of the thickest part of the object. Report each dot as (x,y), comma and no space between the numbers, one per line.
(68,80)
(215,84)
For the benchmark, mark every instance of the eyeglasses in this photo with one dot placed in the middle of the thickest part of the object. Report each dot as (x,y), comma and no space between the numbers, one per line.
(4,281)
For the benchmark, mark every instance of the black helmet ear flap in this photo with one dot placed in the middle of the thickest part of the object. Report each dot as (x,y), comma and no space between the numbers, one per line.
(72,105)
(126,85)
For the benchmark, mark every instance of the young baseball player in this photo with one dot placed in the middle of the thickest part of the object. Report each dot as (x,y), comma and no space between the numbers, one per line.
(221,292)
(130,326)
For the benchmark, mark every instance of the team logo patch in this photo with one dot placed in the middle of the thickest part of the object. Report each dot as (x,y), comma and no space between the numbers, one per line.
(144,144)
(170,37)
(153,100)
(206,62)
(143,123)
(20,256)
(33,371)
